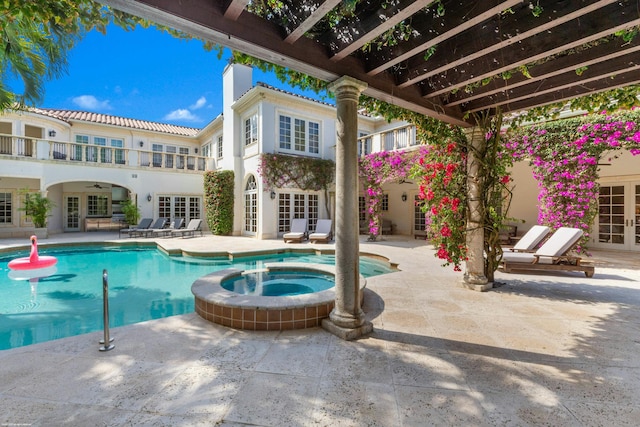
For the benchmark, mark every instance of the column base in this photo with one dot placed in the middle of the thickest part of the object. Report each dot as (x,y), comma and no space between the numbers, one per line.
(476,286)
(347,334)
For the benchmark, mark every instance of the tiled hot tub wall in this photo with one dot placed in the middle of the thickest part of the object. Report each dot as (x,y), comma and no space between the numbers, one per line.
(266,319)
(260,313)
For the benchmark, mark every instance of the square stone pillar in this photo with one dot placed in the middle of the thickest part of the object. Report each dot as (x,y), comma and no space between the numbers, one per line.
(474,277)
(347,318)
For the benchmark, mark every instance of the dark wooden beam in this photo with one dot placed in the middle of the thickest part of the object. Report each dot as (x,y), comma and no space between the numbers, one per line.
(353,38)
(574,34)
(594,73)
(605,51)
(233,8)
(604,84)
(488,44)
(312,19)
(434,29)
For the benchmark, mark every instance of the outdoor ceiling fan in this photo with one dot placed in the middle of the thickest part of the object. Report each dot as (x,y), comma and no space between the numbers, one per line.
(98,186)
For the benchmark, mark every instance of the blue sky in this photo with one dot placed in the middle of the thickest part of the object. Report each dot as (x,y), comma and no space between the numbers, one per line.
(145,74)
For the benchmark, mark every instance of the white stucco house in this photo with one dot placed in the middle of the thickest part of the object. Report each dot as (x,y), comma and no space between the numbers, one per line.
(88,163)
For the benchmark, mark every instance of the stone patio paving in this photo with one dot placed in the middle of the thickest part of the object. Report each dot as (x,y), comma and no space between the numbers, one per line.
(557,349)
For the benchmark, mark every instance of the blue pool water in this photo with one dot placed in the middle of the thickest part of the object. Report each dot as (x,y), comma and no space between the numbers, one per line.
(279,283)
(144,284)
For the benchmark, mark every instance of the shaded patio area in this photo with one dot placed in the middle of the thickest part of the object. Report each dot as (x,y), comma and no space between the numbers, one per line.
(539,349)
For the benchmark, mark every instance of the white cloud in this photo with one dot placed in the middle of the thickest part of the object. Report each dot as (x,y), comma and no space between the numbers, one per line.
(182,114)
(201,102)
(90,102)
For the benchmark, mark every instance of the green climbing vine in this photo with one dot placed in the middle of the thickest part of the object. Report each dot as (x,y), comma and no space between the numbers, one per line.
(219,197)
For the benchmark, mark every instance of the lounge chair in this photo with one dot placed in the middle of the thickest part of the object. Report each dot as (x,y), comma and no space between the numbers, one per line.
(531,239)
(144,224)
(298,231)
(322,233)
(157,227)
(552,255)
(194,226)
(177,224)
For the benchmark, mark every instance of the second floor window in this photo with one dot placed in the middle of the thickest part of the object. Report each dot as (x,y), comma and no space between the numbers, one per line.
(219,147)
(251,129)
(302,137)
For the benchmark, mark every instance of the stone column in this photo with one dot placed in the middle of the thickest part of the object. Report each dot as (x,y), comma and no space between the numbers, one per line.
(347,318)
(474,277)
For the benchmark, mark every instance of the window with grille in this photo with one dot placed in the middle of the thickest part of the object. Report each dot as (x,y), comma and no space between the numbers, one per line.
(419,219)
(157,155)
(384,204)
(97,205)
(6,208)
(194,208)
(305,135)
(251,129)
(300,135)
(219,147)
(285,133)
(297,205)
(284,207)
(314,137)
(362,209)
(180,206)
(164,207)
(251,206)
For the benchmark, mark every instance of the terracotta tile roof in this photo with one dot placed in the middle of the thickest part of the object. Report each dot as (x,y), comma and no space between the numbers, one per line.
(105,119)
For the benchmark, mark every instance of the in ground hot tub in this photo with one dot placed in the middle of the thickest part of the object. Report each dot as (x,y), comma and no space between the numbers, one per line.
(284,296)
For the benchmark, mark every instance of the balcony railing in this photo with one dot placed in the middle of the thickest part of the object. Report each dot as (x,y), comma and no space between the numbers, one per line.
(389,140)
(71,152)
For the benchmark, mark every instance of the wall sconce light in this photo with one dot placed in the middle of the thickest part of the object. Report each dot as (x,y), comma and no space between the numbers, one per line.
(52,133)
(195,150)
(149,197)
(141,143)
(273,194)
(404,197)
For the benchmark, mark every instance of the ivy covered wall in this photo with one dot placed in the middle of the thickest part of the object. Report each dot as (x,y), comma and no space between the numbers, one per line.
(219,197)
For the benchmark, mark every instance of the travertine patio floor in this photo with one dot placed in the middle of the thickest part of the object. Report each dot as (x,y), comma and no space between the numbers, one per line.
(559,350)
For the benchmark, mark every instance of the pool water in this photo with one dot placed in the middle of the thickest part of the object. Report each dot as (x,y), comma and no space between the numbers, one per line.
(279,283)
(144,284)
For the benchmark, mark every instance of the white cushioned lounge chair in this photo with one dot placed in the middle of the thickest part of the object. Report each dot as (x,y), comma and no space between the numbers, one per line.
(552,255)
(298,231)
(194,226)
(177,224)
(323,231)
(531,239)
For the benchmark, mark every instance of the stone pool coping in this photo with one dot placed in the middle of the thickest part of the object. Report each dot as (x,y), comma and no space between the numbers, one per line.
(218,305)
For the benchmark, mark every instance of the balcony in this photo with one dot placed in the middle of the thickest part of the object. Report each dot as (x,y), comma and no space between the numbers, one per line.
(399,138)
(75,153)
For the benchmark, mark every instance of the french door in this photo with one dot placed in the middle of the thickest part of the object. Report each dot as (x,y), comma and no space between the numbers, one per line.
(71,213)
(297,205)
(618,222)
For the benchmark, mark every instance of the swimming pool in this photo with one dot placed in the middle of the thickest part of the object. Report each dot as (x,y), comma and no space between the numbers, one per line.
(144,284)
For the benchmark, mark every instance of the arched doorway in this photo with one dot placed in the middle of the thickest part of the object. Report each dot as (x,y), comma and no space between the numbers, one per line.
(251,206)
